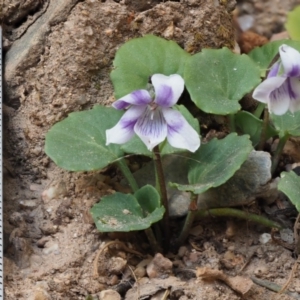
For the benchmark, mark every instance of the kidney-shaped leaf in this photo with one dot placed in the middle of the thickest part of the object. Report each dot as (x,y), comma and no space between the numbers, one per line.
(140,58)
(287,124)
(218,79)
(293,23)
(148,198)
(264,55)
(289,184)
(125,212)
(78,142)
(249,124)
(215,162)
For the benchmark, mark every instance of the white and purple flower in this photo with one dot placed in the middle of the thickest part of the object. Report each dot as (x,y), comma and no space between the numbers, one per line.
(154,120)
(281,90)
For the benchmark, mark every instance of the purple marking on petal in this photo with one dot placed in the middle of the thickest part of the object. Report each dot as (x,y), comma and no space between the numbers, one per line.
(274,70)
(151,122)
(119,104)
(295,72)
(141,97)
(292,94)
(284,91)
(164,96)
(138,98)
(175,126)
(129,124)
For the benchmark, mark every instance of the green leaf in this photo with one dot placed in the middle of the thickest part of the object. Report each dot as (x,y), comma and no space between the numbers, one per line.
(289,184)
(136,146)
(287,124)
(249,124)
(293,23)
(125,212)
(264,55)
(78,142)
(148,198)
(218,79)
(140,58)
(215,162)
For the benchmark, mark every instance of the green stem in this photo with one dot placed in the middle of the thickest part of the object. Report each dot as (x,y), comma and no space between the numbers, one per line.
(273,286)
(231,212)
(263,134)
(164,197)
(278,151)
(232,127)
(134,186)
(152,240)
(259,109)
(127,174)
(188,221)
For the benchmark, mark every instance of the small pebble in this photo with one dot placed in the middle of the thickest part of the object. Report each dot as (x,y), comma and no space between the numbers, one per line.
(109,295)
(197,230)
(265,238)
(140,272)
(182,251)
(159,267)
(116,265)
(53,248)
(261,270)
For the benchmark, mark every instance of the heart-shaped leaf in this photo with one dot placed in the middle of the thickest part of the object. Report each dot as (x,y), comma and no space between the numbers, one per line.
(249,124)
(215,162)
(289,184)
(140,58)
(293,23)
(287,124)
(136,146)
(125,212)
(264,55)
(218,79)
(78,142)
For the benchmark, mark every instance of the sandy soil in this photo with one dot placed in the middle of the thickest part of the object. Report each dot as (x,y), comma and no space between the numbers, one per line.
(58,55)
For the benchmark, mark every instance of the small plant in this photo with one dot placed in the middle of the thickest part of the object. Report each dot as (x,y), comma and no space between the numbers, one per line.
(149,76)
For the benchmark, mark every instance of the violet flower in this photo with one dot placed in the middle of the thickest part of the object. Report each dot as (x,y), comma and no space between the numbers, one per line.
(154,120)
(281,90)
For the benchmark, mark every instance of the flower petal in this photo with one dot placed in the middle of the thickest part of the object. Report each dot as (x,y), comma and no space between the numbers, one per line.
(295,100)
(290,58)
(151,127)
(123,131)
(280,98)
(264,89)
(138,97)
(180,133)
(274,70)
(168,89)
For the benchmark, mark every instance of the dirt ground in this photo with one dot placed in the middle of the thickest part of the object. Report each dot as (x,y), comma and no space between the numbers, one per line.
(58,55)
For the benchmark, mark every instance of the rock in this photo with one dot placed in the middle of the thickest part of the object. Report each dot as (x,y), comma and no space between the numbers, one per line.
(51,248)
(265,238)
(54,191)
(39,294)
(109,295)
(26,51)
(196,231)
(179,204)
(140,272)
(29,204)
(159,267)
(249,182)
(116,265)
(183,250)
